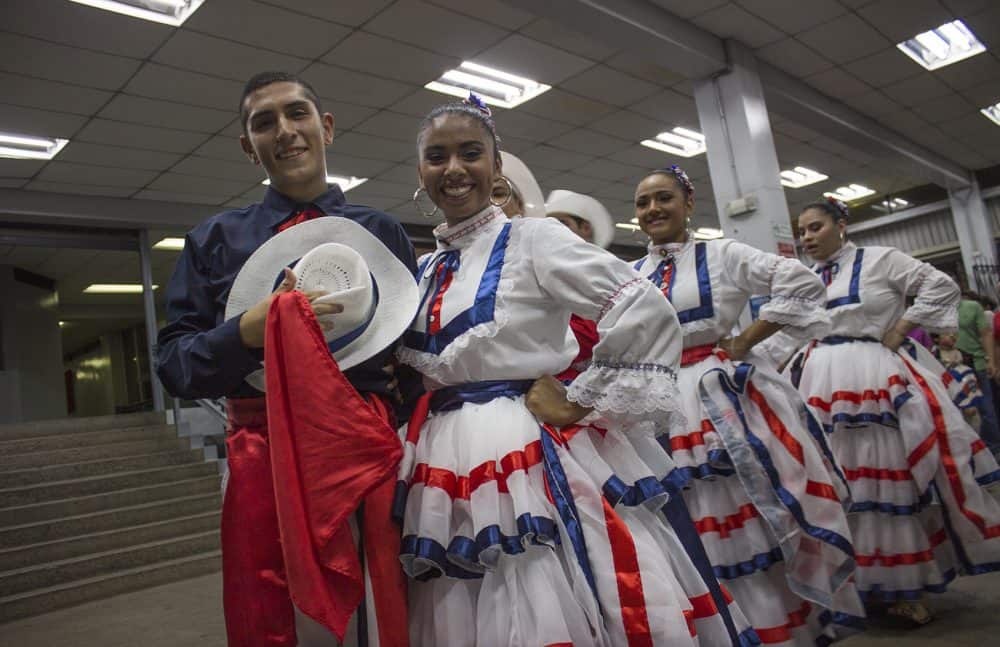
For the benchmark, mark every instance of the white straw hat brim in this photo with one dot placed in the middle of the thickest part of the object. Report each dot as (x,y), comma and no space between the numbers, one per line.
(586,207)
(523,179)
(397,289)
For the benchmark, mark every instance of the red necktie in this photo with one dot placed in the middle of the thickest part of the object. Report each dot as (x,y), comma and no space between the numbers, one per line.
(302,215)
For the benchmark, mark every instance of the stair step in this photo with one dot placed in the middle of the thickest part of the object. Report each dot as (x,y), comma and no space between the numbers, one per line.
(99,542)
(69,488)
(84,439)
(82,454)
(45,575)
(79,425)
(107,520)
(58,509)
(71,593)
(38,475)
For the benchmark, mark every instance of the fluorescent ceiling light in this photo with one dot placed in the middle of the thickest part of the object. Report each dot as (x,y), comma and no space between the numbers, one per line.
(679,141)
(801,176)
(992,113)
(26,147)
(115,288)
(627,225)
(891,205)
(172,244)
(947,44)
(496,87)
(345,183)
(850,193)
(168,12)
(707,233)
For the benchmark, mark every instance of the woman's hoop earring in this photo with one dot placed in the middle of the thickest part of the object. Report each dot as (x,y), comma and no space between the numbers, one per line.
(510,194)
(416,202)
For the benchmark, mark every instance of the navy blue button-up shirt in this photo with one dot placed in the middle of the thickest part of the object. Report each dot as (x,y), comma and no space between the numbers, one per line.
(201,356)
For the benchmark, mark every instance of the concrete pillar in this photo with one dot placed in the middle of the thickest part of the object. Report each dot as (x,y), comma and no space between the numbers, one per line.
(149,308)
(741,157)
(975,234)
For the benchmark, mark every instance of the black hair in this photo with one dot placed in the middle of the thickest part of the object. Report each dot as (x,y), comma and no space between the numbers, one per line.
(479,114)
(831,207)
(263,79)
(680,177)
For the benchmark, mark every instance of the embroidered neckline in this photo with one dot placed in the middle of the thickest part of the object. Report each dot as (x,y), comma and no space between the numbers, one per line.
(449,236)
(669,249)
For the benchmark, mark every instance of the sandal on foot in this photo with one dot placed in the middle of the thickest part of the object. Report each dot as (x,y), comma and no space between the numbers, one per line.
(915,612)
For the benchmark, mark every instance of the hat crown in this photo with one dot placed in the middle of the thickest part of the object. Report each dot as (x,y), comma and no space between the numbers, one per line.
(342,274)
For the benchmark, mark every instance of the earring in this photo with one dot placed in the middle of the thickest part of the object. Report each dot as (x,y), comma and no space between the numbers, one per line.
(416,202)
(510,194)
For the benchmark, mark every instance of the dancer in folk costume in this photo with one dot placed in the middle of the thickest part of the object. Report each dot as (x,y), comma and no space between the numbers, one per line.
(590,220)
(919,516)
(508,537)
(755,472)
(289,578)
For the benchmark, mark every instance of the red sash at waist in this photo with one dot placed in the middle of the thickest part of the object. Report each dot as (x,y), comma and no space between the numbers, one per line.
(695,354)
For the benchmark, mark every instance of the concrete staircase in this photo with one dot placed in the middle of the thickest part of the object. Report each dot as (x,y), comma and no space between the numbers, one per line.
(93,507)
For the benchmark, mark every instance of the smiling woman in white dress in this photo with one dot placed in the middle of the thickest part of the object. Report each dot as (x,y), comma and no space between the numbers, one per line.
(914,467)
(508,535)
(758,482)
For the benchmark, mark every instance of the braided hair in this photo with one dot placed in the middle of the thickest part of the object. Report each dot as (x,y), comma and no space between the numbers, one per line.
(679,175)
(473,108)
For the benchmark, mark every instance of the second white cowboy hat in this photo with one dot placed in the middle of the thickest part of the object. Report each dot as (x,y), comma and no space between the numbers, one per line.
(525,185)
(338,256)
(587,208)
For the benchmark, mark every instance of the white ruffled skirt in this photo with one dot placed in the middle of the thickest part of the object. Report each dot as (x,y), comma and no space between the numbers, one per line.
(518,536)
(765,550)
(914,467)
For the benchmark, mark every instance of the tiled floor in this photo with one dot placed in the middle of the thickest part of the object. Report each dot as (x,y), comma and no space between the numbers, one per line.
(189,613)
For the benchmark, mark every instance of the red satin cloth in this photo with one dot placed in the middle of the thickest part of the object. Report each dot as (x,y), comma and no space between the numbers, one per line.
(298,470)
(585,332)
(695,354)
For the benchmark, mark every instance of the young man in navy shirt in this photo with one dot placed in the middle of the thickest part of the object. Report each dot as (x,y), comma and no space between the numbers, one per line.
(201,356)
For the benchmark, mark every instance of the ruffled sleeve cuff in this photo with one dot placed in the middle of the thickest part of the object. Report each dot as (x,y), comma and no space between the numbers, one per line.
(801,317)
(625,393)
(933,317)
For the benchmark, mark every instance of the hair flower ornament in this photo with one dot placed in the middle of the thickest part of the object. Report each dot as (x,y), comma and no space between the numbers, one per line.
(476,102)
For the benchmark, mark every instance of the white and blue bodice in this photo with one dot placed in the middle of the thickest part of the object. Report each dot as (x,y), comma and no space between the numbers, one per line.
(497,296)
(866,294)
(868,286)
(711,282)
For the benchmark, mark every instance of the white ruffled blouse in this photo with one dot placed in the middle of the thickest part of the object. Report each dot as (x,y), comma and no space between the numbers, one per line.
(713,281)
(867,295)
(504,315)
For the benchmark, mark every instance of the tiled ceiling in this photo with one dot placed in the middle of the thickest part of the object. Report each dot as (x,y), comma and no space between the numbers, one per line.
(150,109)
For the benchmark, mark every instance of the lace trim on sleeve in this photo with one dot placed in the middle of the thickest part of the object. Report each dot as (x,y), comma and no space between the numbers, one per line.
(629,392)
(804,317)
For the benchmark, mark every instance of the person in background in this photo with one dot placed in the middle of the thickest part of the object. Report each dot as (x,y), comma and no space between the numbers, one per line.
(518,190)
(791,575)
(975,341)
(919,515)
(968,395)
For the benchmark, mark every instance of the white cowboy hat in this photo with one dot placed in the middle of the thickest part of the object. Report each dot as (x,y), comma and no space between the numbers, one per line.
(525,185)
(587,208)
(342,258)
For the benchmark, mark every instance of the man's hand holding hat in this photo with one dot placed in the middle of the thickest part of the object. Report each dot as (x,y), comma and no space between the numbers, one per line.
(253,320)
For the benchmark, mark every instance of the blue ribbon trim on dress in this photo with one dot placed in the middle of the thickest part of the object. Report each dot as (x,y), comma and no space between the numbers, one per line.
(563,498)
(450,398)
(892,595)
(991,477)
(825,535)
(851,625)
(968,567)
(853,293)
(749,638)
(617,492)
(896,509)
(481,311)
(886,419)
(759,562)
(704,309)
(468,550)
